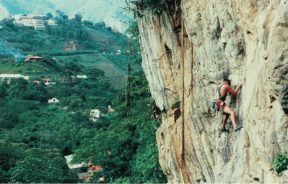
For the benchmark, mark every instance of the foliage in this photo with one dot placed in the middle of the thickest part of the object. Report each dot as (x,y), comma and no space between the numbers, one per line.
(127,147)
(28,120)
(36,135)
(280,163)
(40,166)
(156,7)
(89,36)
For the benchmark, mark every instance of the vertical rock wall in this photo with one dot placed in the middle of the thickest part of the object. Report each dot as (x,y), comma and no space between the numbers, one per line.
(185,57)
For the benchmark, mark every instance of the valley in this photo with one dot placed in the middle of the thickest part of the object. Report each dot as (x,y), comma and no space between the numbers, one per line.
(63,94)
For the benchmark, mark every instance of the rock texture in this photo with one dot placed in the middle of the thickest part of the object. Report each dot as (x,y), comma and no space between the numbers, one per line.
(186,53)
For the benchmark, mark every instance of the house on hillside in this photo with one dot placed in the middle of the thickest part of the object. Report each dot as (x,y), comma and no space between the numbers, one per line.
(53,101)
(47,81)
(33,21)
(85,171)
(81,77)
(33,58)
(110,109)
(13,76)
(51,22)
(84,176)
(94,168)
(69,159)
(95,114)
(37,82)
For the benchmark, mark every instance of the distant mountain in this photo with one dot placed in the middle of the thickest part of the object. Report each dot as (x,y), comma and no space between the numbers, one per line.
(109,11)
(3,12)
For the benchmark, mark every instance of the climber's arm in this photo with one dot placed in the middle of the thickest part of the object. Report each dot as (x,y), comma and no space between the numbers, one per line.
(234,91)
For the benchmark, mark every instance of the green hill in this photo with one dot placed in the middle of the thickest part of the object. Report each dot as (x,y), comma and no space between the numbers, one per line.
(88,44)
(79,66)
(109,11)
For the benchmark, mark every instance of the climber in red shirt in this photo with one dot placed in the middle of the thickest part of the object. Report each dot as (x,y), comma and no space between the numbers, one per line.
(220,103)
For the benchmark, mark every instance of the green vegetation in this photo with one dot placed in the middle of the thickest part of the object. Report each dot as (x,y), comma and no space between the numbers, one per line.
(28,123)
(85,35)
(280,163)
(155,6)
(126,146)
(89,44)
(35,135)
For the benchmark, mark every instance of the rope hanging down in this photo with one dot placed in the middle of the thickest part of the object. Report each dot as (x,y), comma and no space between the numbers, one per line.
(128,79)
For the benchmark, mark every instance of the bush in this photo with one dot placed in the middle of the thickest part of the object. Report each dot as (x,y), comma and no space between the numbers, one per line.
(156,6)
(280,163)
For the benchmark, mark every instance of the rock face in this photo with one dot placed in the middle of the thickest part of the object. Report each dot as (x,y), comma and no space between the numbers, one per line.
(186,53)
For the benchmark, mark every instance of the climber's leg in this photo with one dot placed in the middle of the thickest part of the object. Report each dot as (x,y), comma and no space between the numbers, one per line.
(232,114)
(224,121)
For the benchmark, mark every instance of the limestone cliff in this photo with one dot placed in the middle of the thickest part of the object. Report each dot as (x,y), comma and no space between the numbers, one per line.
(187,50)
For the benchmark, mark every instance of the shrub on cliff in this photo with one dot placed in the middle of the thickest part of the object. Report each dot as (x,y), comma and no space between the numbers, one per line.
(155,6)
(280,163)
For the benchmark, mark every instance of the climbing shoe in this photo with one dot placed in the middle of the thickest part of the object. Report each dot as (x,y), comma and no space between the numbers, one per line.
(238,128)
(224,130)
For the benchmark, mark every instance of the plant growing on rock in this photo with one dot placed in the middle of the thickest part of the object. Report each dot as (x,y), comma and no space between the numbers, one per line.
(155,6)
(280,163)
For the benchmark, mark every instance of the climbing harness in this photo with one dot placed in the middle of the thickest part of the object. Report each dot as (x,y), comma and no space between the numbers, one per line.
(218,101)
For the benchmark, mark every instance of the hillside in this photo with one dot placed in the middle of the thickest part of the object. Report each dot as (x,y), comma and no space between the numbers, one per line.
(108,11)
(91,45)
(189,47)
(45,116)
(65,94)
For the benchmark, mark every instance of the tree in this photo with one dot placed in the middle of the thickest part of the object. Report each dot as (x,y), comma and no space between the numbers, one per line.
(40,170)
(70,70)
(8,156)
(17,87)
(100,25)
(88,23)
(49,15)
(8,22)
(78,18)
(3,89)
(61,18)
(36,92)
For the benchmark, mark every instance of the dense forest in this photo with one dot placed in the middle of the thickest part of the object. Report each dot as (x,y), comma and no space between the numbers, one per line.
(36,135)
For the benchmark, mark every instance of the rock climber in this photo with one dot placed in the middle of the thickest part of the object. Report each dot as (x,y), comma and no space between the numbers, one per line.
(226,109)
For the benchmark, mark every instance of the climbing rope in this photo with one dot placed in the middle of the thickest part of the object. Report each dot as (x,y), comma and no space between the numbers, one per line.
(128,78)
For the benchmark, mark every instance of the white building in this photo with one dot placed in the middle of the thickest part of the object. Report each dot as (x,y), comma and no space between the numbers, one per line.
(53,101)
(35,21)
(49,83)
(13,76)
(95,115)
(69,159)
(51,22)
(110,109)
(81,77)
